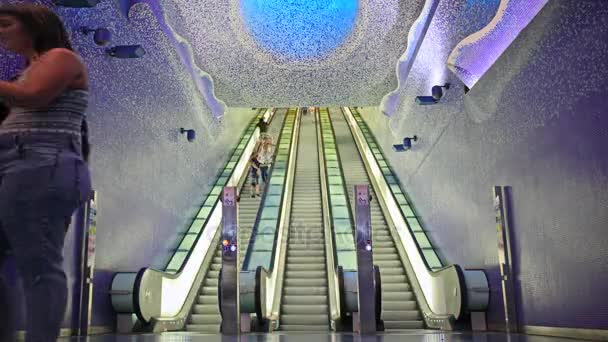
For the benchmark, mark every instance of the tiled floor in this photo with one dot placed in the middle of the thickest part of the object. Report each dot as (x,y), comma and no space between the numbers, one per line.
(413,336)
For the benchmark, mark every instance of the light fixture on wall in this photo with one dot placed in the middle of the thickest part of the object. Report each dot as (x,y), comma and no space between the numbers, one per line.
(190,134)
(437,94)
(126,51)
(76,3)
(101,36)
(407,144)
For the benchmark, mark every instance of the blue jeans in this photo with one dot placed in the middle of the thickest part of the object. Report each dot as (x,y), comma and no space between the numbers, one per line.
(264,171)
(43,179)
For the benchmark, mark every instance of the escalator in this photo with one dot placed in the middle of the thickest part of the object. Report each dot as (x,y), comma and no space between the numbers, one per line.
(399,307)
(205,316)
(304,303)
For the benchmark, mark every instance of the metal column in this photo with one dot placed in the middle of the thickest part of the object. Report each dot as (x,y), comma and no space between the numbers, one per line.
(365,262)
(229,282)
(501,209)
(86,231)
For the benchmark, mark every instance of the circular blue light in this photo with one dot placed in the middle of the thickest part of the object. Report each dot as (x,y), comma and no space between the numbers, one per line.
(299,29)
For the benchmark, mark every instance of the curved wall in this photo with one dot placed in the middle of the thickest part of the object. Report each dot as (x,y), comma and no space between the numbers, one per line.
(537,122)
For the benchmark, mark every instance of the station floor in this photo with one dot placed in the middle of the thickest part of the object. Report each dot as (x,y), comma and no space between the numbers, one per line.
(409,336)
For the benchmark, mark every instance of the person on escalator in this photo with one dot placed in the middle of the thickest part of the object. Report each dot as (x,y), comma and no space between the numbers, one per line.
(254,168)
(265,156)
(263,125)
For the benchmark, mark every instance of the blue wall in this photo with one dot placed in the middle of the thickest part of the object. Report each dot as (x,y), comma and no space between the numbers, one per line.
(150,179)
(537,122)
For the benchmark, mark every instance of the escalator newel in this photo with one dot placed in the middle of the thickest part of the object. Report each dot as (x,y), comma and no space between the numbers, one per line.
(229,276)
(367,275)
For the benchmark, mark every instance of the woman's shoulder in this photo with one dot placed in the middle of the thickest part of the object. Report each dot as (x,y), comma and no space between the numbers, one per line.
(63,56)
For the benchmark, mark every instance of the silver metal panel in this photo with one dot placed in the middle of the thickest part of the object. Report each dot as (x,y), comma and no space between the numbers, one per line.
(122,292)
(229,291)
(87,221)
(478,290)
(365,262)
(504,257)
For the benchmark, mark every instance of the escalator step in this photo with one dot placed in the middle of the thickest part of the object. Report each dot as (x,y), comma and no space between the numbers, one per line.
(304,300)
(391,279)
(205,319)
(301,327)
(386,257)
(409,315)
(383,242)
(305,291)
(215,328)
(206,309)
(398,296)
(210,282)
(388,263)
(319,309)
(301,319)
(209,290)
(306,246)
(398,287)
(384,250)
(306,260)
(305,274)
(389,271)
(399,305)
(207,299)
(305,282)
(389,325)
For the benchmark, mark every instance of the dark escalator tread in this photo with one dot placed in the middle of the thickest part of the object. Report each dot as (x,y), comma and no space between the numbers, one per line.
(304,305)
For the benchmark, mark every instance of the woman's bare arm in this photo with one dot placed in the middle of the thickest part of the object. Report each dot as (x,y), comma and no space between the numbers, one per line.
(46,79)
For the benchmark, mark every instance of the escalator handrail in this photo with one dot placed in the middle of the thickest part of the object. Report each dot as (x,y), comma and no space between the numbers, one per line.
(345,187)
(331,263)
(254,233)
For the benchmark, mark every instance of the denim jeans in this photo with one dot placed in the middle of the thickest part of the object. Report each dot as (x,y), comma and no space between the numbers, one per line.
(43,179)
(264,171)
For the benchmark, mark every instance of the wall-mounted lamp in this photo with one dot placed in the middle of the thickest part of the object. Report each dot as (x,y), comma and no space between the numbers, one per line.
(126,51)
(407,144)
(101,36)
(190,134)
(77,3)
(437,92)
